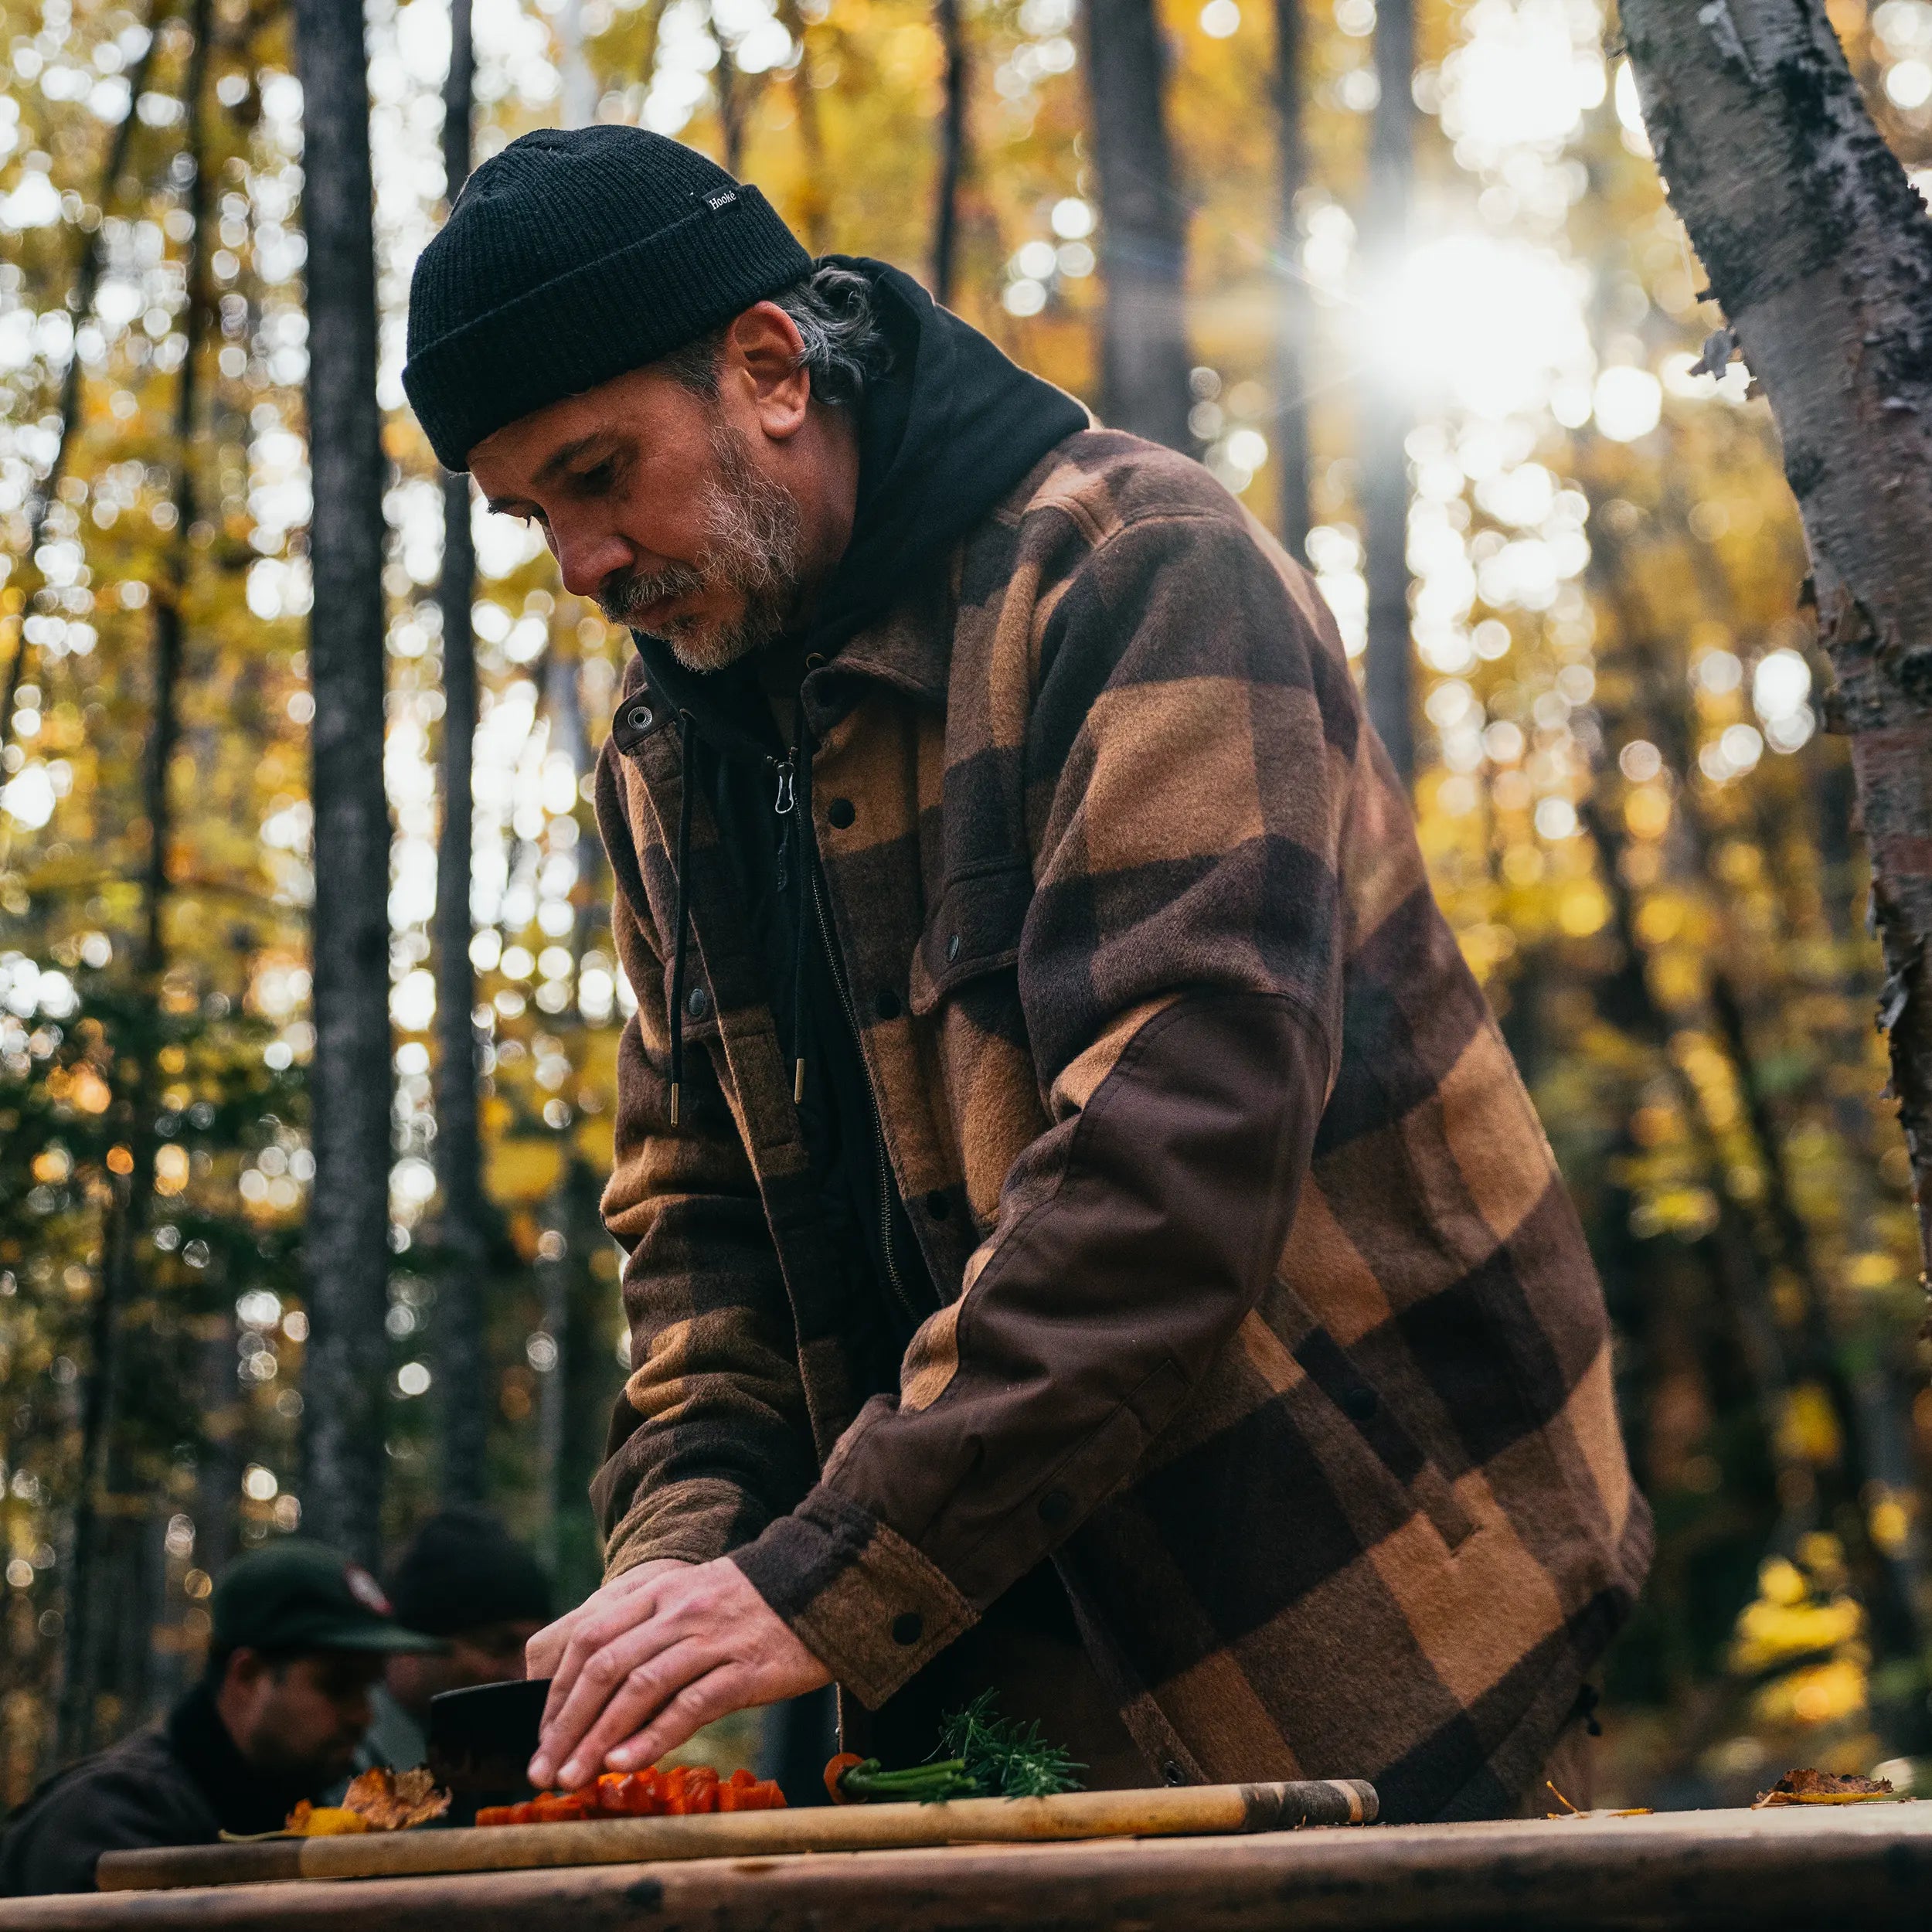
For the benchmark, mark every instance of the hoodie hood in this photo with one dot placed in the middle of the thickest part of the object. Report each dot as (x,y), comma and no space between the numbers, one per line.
(944,435)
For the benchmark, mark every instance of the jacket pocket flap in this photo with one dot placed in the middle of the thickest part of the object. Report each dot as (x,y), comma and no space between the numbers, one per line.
(700,1005)
(975,929)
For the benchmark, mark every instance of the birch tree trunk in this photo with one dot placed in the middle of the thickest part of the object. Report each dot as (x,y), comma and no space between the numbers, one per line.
(1292,312)
(1389,675)
(462,1224)
(1820,251)
(347,1253)
(1144,360)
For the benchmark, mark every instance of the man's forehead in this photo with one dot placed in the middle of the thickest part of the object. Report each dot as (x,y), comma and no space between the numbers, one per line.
(538,448)
(527,454)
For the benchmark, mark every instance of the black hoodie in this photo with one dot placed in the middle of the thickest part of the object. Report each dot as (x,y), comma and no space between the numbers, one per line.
(944,435)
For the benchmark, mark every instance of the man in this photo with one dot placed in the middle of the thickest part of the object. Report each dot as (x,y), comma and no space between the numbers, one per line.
(300,1634)
(463,1579)
(1086,1234)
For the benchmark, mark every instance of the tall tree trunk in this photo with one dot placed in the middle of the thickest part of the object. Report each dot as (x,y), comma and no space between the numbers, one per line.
(813,203)
(1292,311)
(1820,251)
(1144,358)
(81,306)
(462,1225)
(952,149)
(104,1471)
(1389,668)
(347,1253)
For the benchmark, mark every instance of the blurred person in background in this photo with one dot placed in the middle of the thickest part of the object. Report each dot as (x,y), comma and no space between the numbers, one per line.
(300,1635)
(464,1580)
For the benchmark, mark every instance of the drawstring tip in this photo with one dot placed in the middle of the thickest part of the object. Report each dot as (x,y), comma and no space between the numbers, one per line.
(674,1102)
(798,1082)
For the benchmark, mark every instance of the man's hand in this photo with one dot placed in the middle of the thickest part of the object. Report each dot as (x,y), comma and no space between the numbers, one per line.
(651,1657)
(543,1654)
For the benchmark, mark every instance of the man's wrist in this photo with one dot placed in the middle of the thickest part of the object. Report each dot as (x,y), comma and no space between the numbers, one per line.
(856,1593)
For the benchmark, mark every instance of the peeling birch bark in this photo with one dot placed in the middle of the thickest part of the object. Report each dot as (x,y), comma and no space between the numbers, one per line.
(1820,251)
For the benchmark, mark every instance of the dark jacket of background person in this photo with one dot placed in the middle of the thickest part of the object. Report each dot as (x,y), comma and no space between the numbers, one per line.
(182,1784)
(1256,1302)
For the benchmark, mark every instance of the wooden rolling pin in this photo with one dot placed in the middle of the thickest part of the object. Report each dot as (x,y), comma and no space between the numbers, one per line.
(1191,1810)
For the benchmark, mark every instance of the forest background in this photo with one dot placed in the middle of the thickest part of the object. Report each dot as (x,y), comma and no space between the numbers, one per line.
(1405,279)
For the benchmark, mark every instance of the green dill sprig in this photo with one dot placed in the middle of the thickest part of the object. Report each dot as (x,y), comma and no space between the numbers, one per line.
(1003,1758)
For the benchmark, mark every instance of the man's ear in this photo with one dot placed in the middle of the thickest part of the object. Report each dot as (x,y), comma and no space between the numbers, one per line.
(246,1668)
(760,362)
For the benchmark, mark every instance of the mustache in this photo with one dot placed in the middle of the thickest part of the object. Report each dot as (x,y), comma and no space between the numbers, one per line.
(626,594)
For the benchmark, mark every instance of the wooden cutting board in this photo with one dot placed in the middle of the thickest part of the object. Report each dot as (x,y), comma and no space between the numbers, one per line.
(1194,1810)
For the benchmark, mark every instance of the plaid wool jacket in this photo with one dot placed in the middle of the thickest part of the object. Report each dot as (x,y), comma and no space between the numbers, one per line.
(1264,1312)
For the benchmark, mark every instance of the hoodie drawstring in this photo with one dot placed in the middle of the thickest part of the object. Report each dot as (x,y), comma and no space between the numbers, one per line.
(801,871)
(682,916)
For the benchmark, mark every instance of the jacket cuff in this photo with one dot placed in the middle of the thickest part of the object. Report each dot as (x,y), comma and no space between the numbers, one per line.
(857,1595)
(693,1522)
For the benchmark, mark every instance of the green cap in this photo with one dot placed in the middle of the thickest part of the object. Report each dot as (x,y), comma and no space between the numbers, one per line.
(296,1595)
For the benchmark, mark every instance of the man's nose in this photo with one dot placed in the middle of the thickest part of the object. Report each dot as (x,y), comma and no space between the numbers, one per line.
(587,559)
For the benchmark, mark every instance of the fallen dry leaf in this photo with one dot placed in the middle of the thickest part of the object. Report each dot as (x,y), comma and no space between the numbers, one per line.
(320,1820)
(1808,1787)
(394,1800)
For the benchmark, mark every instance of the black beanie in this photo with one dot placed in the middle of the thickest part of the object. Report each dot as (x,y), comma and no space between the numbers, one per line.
(462,1570)
(574,255)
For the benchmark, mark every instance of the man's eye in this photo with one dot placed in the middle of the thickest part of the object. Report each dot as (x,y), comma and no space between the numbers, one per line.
(598,476)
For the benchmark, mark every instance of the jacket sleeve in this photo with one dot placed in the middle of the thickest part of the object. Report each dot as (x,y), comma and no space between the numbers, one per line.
(1188,751)
(710,1439)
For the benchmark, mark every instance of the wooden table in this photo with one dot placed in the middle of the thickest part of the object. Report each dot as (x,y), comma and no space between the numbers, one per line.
(1863,1866)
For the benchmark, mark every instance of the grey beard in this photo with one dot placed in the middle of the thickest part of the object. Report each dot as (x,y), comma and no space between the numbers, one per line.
(752,543)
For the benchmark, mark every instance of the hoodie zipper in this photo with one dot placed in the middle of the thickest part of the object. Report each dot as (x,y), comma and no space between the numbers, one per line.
(882,1163)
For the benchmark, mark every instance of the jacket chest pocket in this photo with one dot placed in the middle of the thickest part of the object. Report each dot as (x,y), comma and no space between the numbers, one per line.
(973,933)
(964,990)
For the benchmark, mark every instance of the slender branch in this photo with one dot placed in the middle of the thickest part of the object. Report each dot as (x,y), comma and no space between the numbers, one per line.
(86,285)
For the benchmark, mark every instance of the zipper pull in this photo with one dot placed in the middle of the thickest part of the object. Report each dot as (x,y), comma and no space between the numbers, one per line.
(787,798)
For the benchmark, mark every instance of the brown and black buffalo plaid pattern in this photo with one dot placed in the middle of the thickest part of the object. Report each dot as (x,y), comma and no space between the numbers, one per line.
(1264,1312)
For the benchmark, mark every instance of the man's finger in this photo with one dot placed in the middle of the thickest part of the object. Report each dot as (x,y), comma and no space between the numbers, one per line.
(544,1651)
(599,1625)
(644,1693)
(701,1701)
(600,1678)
